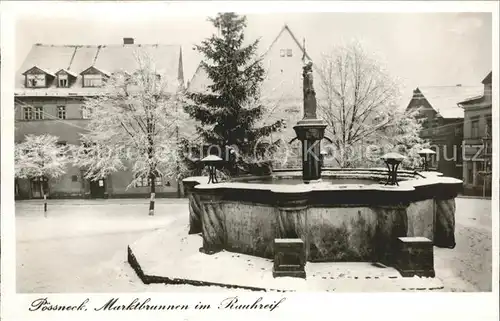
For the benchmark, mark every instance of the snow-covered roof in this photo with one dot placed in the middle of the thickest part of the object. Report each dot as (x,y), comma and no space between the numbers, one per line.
(93,69)
(44,70)
(69,72)
(471,99)
(487,79)
(106,58)
(445,99)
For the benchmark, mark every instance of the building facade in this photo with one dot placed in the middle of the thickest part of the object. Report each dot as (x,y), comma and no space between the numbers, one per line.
(442,124)
(50,90)
(477,144)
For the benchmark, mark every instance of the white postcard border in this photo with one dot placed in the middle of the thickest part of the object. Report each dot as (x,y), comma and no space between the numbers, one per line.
(387,306)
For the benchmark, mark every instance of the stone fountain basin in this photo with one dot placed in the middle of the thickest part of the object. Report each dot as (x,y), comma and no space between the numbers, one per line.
(337,222)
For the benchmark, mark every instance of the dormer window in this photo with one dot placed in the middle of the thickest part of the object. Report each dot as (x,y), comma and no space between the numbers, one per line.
(62,81)
(93,77)
(36,81)
(38,78)
(65,78)
(92,81)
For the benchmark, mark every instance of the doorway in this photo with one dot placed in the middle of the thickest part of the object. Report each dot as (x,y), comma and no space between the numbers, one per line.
(36,187)
(98,188)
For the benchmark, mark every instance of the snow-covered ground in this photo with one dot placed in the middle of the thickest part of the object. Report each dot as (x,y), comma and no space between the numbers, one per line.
(81,245)
(471,259)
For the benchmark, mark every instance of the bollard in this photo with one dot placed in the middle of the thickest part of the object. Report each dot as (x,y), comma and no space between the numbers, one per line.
(152,204)
(45,204)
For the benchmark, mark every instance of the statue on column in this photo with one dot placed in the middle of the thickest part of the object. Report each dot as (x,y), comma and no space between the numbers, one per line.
(309,93)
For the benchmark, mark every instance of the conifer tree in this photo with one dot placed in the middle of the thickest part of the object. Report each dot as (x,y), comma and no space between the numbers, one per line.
(228,112)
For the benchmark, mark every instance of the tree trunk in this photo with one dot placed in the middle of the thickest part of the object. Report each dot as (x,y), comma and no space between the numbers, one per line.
(42,191)
(153,190)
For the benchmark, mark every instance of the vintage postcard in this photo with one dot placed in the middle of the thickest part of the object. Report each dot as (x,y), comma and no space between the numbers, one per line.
(242,160)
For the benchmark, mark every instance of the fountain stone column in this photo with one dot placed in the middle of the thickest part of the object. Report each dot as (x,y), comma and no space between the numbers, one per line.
(310,131)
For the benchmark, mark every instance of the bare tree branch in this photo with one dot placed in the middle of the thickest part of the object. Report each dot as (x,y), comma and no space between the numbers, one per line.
(360,102)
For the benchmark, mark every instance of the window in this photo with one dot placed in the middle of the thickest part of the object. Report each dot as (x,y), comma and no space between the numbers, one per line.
(475,128)
(488,149)
(63,80)
(433,159)
(488,131)
(61,112)
(92,80)
(459,155)
(479,166)
(28,113)
(479,175)
(282,53)
(36,81)
(74,178)
(38,113)
(144,182)
(289,52)
(470,173)
(61,145)
(85,113)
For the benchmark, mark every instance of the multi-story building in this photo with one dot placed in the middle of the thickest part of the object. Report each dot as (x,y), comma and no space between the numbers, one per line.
(477,141)
(50,89)
(442,123)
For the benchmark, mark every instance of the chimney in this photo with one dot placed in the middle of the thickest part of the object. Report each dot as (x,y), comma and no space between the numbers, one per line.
(128,41)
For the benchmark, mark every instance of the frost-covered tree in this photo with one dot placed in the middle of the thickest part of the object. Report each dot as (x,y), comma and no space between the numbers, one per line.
(229,112)
(134,125)
(403,137)
(360,106)
(40,157)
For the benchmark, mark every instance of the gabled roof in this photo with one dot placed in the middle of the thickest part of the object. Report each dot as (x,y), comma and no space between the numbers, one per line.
(445,99)
(38,69)
(487,79)
(93,70)
(106,58)
(61,71)
(200,80)
(287,29)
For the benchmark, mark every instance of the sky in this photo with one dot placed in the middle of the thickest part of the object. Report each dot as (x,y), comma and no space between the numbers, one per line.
(420,49)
